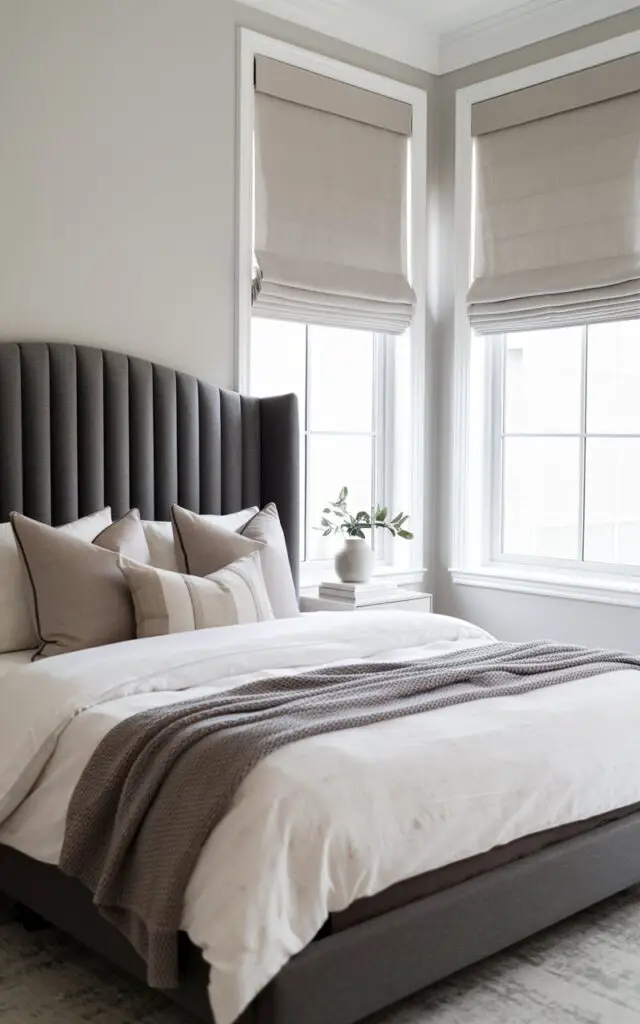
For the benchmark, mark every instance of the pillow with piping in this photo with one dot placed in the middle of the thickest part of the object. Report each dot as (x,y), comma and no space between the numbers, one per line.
(163,550)
(17,628)
(207,547)
(79,597)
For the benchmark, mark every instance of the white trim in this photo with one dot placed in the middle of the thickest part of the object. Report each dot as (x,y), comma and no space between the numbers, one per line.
(423,271)
(412,39)
(244,241)
(387,34)
(591,56)
(574,587)
(528,23)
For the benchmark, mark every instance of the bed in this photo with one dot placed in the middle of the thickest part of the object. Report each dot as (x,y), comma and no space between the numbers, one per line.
(82,427)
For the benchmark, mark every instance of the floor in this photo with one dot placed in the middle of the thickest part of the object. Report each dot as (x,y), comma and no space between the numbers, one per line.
(584,971)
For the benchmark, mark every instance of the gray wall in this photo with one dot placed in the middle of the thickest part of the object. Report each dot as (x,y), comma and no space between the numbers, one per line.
(118,172)
(509,615)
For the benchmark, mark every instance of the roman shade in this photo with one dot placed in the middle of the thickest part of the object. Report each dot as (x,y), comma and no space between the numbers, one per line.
(557,212)
(331,176)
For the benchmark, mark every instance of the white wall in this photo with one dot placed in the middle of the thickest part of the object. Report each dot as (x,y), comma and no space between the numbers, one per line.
(118,172)
(511,616)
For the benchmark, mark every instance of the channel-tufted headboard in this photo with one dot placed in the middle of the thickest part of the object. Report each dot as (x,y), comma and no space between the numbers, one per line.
(83,427)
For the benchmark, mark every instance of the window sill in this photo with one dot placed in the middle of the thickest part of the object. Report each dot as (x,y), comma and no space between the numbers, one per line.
(598,588)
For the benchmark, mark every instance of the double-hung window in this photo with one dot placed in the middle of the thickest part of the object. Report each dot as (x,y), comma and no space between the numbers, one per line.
(337,317)
(553,429)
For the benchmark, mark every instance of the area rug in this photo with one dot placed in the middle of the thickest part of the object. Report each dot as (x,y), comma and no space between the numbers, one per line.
(584,971)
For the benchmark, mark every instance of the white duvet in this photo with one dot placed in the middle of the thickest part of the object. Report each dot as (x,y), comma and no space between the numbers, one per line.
(330,819)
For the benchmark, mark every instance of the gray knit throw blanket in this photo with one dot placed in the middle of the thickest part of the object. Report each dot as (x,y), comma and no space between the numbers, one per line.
(160,781)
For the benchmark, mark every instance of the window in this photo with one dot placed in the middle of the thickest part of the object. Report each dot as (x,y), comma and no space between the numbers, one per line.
(360,392)
(564,449)
(343,380)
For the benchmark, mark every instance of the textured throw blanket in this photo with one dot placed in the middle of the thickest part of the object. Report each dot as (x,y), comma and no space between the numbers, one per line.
(161,780)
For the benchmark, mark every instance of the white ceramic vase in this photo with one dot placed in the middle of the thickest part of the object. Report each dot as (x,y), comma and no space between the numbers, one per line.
(354,562)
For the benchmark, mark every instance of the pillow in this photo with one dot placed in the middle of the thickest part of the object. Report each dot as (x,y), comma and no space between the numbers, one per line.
(207,547)
(171,602)
(166,554)
(79,596)
(17,629)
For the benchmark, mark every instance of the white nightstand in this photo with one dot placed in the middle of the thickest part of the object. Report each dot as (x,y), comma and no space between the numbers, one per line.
(398,600)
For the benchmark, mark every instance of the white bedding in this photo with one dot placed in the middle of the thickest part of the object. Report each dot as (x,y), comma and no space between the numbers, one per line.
(333,818)
(12,661)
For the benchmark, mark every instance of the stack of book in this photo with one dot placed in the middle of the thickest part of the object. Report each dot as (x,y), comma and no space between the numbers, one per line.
(360,595)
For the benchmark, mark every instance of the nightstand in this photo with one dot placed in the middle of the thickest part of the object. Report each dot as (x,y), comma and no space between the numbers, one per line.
(398,600)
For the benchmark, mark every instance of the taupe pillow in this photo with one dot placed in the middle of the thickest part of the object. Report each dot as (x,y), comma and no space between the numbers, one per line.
(170,602)
(80,598)
(165,552)
(208,547)
(17,629)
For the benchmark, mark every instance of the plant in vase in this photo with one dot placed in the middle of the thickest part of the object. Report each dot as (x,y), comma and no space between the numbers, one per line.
(354,562)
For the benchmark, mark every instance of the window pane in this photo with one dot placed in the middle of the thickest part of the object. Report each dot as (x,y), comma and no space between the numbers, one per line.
(543,371)
(613,378)
(541,496)
(341,376)
(278,353)
(335,462)
(612,501)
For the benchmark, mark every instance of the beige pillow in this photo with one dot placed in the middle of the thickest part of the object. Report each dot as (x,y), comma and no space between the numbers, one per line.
(163,550)
(17,629)
(170,602)
(207,547)
(79,597)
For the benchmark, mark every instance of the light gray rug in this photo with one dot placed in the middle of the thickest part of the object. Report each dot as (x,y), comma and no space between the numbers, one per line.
(584,971)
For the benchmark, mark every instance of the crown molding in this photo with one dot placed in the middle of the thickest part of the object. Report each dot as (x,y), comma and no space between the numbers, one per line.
(397,38)
(530,23)
(412,42)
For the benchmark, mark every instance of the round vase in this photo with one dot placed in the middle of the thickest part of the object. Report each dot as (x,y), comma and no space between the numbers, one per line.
(354,562)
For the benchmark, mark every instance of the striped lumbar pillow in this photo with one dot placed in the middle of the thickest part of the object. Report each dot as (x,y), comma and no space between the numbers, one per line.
(170,602)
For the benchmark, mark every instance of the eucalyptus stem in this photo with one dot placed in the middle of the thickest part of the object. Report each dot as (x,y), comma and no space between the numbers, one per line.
(336,518)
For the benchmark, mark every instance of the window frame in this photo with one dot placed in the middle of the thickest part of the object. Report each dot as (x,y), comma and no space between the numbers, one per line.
(408,560)
(495,404)
(382,448)
(468,442)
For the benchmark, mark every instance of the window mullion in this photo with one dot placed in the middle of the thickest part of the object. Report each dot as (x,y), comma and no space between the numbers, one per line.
(495,444)
(582,477)
(377,434)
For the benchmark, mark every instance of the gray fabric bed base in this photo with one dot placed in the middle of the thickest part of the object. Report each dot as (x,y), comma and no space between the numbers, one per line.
(345,976)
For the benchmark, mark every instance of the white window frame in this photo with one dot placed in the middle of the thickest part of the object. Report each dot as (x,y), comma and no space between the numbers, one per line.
(472,548)
(493,470)
(409,558)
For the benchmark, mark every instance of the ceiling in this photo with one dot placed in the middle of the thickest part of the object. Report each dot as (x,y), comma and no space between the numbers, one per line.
(442,35)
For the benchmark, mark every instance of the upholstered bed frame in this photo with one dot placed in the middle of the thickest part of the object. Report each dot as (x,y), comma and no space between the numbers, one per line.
(81,428)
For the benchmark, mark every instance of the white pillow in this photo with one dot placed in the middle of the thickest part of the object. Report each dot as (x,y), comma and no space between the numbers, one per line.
(17,629)
(162,548)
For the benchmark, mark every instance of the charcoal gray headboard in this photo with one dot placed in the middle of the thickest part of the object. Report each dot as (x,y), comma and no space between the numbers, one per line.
(83,427)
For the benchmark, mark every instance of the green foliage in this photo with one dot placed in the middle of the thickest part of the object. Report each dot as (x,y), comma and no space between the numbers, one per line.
(336,518)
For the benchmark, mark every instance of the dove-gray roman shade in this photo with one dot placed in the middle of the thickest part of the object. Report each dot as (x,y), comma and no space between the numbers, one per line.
(557,213)
(331,177)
